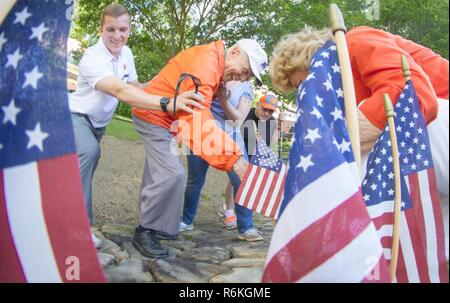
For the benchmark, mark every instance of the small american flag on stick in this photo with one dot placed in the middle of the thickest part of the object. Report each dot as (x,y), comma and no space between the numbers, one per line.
(262,187)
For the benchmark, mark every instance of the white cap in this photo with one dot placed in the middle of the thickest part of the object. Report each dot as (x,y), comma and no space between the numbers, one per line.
(257,57)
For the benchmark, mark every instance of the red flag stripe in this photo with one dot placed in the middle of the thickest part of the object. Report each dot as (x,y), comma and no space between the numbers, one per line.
(415,221)
(255,171)
(261,184)
(276,207)
(267,194)
(437,212)
(326,228)
(71,242)
(243,190)
(11,270)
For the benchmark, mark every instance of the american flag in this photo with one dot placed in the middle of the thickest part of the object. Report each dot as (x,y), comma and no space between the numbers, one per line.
(422,248)
(324,232)
(262,187)
(44,229)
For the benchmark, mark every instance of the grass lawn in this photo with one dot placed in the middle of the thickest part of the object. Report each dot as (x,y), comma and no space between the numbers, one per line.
(122,130)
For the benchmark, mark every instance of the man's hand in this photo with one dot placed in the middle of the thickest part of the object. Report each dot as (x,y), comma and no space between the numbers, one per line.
(240,167)
(368,132)
(187,102)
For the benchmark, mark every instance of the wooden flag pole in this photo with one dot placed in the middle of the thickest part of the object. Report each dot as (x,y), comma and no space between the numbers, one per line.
(351,112)
(6,6)
(397,185)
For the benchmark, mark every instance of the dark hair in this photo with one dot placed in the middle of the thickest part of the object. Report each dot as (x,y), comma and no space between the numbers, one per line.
(113,10)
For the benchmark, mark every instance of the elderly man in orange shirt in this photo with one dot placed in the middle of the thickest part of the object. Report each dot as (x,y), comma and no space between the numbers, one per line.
(206,68)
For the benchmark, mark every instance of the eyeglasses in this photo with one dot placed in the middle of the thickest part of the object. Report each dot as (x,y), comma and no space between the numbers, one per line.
(184,76)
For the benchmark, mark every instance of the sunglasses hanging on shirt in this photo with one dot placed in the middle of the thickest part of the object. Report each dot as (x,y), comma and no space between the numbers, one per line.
(185,76)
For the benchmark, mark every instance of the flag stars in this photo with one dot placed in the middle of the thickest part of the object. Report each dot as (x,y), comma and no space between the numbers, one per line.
(340,93)
(384,151)
(310,76)
(325,55)
(391,175)
(390,159)
(423,147)
(420,130)
(305,162)
(411,124)
(337,114)
(366,197)
(415,116)
(336,68)
(344,146)
(418,156)
(316,113)
(32,78)
(313,135)
(390,192)
(413,166)
(406,109)
(410,100)
(403,205)
(328,85)
(426,162)
(402,118)
(302,93)
(22,16)
(11,112)
(318,64)
(373,187)
(407,134)
(3,40)
(416,140)
(38,32)
(319,101)
(13,59)
(36,137)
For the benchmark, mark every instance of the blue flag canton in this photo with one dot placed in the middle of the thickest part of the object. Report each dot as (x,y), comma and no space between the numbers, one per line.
(321,141)
(414,152)
(265,157)
(35,121)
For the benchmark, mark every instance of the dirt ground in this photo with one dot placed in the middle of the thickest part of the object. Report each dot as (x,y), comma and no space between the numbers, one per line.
(117,183)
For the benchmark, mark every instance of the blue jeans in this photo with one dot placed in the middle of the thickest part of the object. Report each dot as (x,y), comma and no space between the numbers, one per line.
(197,168)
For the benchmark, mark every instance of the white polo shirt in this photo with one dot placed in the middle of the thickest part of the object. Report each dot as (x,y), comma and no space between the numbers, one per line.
(96,64)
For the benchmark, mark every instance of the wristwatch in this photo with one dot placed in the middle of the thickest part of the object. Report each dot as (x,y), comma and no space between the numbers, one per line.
(163,102)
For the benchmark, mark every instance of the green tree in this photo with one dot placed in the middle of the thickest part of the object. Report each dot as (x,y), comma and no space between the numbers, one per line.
(163,28)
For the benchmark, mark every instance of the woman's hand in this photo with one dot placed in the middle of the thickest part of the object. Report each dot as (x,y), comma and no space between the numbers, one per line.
(187,102)
(223,93)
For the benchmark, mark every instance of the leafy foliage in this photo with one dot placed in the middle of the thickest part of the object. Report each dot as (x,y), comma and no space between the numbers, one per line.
(162,28)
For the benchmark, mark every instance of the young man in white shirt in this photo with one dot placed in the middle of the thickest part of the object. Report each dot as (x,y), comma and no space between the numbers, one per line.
(106,74)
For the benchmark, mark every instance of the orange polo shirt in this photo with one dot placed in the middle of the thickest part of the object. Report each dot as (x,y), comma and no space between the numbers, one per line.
(198,131)
(375,57)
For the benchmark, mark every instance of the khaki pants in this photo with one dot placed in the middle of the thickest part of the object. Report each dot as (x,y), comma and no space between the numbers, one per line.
(163,182)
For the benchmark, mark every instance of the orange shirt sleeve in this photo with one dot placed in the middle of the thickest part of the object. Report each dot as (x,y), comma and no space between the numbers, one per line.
(377,60)
(199,130)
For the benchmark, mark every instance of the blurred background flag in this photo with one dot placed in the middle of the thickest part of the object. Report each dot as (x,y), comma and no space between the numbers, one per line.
(422,249)
(44,229)
(262,187)
(324,232)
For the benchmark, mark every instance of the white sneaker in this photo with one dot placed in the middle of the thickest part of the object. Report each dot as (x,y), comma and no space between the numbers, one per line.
(251,235)
(186,227)
(97,242)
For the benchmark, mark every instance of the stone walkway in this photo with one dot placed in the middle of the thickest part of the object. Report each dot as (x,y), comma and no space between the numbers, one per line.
(207,254)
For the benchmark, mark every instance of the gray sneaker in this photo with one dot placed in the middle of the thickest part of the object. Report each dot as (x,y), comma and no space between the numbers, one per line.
(251,235)
(185,227)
